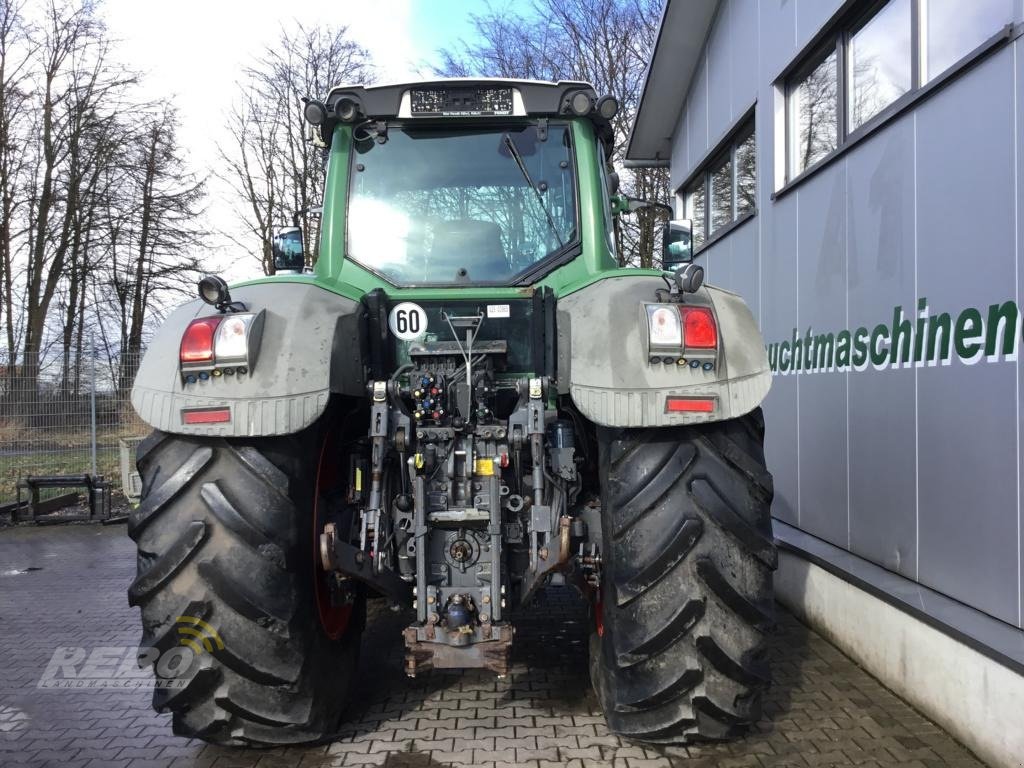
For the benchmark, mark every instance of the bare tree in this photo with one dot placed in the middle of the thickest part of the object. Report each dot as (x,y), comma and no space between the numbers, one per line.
(97,213)
(151,229)
(605,42)
(15,54)
(271,168)
(75,82)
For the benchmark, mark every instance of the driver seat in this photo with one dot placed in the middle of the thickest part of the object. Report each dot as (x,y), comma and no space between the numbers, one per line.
(469,244)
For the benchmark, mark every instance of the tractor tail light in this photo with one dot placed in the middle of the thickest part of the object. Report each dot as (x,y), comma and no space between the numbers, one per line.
(699,329)
(676,404)
(197,341)
(222,344)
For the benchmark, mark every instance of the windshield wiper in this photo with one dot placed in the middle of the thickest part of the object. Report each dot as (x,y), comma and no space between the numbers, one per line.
(514,151)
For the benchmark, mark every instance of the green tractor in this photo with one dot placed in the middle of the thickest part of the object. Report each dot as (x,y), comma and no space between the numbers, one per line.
(464,402)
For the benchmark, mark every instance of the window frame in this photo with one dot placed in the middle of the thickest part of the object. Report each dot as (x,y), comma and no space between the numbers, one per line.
(834,36)
(724,150)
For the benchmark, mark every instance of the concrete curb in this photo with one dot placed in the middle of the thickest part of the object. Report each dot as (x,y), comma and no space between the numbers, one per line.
(979,701)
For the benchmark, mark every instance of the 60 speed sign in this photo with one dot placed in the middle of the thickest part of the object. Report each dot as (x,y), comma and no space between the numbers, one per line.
(407,321)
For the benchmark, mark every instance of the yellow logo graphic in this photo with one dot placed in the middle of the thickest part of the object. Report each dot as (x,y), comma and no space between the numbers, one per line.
(196,634)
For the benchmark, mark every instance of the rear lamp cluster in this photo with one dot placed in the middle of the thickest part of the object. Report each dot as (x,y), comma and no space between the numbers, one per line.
(674,330)
(222,345)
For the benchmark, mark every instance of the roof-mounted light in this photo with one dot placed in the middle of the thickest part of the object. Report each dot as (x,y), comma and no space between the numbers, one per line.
(607,107)
(348,109)
(314,111)
(581,103)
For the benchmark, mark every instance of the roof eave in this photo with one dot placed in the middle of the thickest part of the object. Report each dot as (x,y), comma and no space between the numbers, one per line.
(686,25)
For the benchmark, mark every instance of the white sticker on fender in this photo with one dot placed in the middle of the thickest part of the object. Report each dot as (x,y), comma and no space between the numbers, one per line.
(407,321)
(498,310)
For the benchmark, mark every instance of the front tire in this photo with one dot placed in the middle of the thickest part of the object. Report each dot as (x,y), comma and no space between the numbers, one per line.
(225,534)
(678,653)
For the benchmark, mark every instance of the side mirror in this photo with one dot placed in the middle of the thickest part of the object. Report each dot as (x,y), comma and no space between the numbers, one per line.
(613,183)
(677,242)
(287,250)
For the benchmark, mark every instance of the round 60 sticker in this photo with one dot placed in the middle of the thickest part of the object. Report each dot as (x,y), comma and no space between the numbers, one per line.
(407,321)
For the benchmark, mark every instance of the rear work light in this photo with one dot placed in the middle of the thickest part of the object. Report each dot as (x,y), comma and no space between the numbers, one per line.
(221,344)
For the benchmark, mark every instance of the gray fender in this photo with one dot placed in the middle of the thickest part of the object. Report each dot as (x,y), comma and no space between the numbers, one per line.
(603,347)
(305,329)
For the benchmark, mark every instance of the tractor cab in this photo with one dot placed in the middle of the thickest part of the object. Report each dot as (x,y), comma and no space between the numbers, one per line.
(464,182)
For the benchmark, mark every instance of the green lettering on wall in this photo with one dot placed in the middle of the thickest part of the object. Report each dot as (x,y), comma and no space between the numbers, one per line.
(924,338)
(824,350)
(1002,318)
(967,334)
(843,341)
(860,347)
(939,328)
(922,319)
(902,333)
(879,352)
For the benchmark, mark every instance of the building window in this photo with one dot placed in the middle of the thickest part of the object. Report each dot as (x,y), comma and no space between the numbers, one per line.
(872,60)
(724,188)
(814,114)
(879,67)
(695,199)
(954,28)
(746,176)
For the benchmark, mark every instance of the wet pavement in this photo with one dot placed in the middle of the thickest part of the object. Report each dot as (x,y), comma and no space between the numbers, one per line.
(66,586)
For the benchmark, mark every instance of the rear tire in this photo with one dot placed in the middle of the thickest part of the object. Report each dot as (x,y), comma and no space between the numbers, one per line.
(225,535)
(678,654)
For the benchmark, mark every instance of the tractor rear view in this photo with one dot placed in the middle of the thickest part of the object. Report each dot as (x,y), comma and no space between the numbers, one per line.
(466,401)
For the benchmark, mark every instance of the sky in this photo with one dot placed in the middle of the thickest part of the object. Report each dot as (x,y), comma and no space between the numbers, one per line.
(195,53)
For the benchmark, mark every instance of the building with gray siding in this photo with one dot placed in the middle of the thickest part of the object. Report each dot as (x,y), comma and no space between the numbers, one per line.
(854,170)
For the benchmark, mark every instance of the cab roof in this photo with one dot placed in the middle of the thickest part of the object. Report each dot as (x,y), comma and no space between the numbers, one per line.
(465,99)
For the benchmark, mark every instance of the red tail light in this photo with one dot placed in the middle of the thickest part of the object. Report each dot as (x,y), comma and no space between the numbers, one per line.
(205,415)
(197,342)
(674,404)
(699,329)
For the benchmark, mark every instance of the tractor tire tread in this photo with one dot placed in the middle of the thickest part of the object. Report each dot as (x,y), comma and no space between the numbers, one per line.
(687,598)
(220,533)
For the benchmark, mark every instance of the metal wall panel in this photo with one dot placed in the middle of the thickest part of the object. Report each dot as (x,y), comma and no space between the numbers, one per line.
(719,49)
(811,15)
(821,294)
(697,112)
(883,445)
(744,53)
(737,267)
(780,314)
(967,468)
(1018,129)
(681,163)
(777,35)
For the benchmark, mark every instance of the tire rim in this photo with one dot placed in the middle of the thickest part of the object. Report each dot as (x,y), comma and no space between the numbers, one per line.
(333,618)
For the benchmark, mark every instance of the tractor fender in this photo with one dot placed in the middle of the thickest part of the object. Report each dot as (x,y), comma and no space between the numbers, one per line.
(309,348)
(604,363)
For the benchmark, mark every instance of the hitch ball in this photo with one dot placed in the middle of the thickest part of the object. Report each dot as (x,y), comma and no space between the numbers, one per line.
(459,613)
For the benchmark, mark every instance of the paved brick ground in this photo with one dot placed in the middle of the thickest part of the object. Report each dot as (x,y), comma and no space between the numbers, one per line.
(823,710)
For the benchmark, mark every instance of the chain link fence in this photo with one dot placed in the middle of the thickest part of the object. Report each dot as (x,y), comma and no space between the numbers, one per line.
(71,417)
